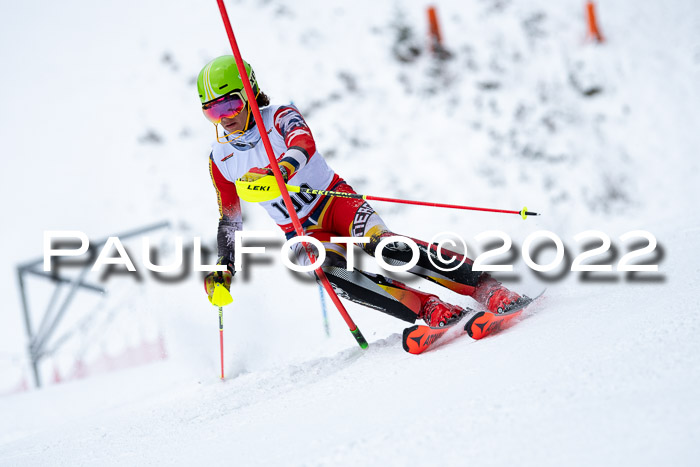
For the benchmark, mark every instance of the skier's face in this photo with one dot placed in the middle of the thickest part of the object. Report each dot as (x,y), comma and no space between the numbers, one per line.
(236,123)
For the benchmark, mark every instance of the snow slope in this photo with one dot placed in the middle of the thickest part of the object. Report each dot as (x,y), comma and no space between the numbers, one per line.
(98,102)
(576,383)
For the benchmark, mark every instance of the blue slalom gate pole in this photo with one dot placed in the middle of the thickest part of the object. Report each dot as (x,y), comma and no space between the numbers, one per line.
(323,309)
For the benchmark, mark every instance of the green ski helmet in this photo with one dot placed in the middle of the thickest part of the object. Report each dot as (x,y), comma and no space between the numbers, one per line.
(220,77)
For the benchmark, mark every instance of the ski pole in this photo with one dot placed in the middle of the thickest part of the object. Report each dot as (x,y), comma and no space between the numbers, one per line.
(221,338)
(219,298)
(264,189)
(278,177)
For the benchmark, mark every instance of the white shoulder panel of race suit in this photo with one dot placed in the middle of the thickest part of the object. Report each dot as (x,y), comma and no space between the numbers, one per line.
(234,161)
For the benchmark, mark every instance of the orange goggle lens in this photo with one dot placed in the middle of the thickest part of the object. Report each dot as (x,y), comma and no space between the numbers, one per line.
(227,106)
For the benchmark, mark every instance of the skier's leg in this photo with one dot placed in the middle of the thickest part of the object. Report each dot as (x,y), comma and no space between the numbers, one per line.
(375,290)
(479,285)
(462,280)
(355,217)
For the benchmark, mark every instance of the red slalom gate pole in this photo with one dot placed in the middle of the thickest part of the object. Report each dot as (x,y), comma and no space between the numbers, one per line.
(280,180)
(434,29)
(593,29)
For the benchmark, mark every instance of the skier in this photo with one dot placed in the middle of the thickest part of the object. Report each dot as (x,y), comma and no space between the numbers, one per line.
(239,153)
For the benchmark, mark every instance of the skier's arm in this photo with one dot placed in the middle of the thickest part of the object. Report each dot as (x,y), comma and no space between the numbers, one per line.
(297,137)
(300,145)
(230,218)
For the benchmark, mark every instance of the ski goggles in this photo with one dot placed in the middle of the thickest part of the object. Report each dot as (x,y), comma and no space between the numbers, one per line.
(227,106)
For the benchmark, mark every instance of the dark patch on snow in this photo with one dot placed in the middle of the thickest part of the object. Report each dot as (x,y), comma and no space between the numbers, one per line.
(488,85)
(151,137)
(168,60)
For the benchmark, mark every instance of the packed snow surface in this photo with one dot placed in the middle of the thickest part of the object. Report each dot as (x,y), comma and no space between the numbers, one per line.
(101,132)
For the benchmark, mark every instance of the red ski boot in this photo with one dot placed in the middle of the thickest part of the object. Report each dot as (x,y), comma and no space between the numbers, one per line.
(492,294)
(437,313)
